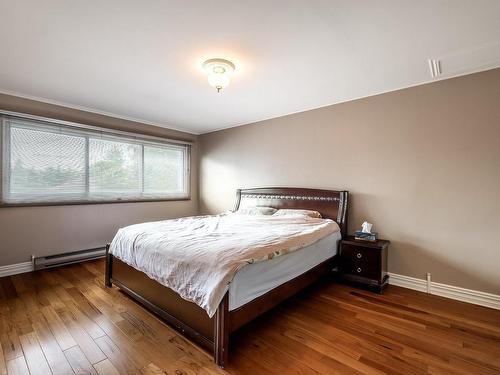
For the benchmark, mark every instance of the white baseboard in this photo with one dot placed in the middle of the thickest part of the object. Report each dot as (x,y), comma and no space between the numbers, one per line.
(449,291)
(408,282)
(14,269)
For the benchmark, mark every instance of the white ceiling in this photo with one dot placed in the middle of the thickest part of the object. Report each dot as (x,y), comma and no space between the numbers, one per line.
(140,59)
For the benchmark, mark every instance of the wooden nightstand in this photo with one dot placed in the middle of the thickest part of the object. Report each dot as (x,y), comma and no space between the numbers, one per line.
(364,263)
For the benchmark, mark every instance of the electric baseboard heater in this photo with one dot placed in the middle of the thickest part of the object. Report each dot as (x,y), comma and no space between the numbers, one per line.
(40,263)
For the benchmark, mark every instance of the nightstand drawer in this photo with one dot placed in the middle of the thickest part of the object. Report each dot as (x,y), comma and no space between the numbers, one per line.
(359,254)
(362,269)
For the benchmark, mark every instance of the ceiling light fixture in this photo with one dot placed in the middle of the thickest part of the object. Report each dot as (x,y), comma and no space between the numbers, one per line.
(219,72)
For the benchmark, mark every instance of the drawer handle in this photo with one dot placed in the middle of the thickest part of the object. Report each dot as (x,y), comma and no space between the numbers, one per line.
(358,270)
(359,255)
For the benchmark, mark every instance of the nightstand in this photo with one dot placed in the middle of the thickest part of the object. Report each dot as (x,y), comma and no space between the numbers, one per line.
(364,263)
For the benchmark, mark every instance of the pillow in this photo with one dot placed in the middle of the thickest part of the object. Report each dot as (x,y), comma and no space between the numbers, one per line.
(293,212)
(256,211)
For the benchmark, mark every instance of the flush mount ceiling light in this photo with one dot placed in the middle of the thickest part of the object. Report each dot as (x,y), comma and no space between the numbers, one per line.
(219,72)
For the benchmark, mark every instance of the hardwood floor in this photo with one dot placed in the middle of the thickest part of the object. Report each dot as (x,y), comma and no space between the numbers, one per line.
(65,321)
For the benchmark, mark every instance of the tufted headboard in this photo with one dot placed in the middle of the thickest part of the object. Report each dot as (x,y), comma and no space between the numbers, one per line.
(331,204)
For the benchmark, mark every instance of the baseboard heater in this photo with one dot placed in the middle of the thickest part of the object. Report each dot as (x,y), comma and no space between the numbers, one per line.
(40,263)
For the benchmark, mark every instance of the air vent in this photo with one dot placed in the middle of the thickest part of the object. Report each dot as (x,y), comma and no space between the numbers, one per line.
(57,260)
(435,67)
(465,62)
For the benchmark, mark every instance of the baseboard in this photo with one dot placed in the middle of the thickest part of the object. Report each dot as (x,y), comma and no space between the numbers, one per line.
(408,282)
(449,291)
(14,269)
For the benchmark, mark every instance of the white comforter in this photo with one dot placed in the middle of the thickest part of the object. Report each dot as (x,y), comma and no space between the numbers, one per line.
(197,257)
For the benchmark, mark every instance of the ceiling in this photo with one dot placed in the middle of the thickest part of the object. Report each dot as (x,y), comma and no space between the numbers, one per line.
(141,59)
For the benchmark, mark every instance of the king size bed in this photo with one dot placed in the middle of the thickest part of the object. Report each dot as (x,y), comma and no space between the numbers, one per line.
(209,275)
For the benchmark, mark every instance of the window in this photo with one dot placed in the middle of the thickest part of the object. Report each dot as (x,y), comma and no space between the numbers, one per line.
(47,163)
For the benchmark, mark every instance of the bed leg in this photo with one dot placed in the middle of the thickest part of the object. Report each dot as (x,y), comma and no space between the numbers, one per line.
(109,268)
(221,336)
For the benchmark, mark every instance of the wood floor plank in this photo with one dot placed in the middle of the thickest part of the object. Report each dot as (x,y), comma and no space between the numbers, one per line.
(9,338)
(87,345)
(95,268)
(371,349)
(467,367)
(152,369)
(128,328)
(91,327)
(102,305)
(17,366)
(30,301)
(8,287)
(87,307)
(68,275)
(136,353)
(52,351)
(59,330)
(63,281)
(18,316)
(328,329)
(180,348)
(102,293)
(143,321)
(3,365)
(308,356)
(189,365)
(78,361)
(37,364)
(117,358)
(10,345)
(276,360)
(106,368)
(19,284)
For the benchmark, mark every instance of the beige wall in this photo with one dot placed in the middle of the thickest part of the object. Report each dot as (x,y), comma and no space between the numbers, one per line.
(422,164)
(50,230)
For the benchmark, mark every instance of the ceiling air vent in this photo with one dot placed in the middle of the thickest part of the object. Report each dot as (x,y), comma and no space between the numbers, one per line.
(435,67)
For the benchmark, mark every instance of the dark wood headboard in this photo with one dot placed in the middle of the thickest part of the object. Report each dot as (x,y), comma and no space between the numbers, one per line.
(331,204)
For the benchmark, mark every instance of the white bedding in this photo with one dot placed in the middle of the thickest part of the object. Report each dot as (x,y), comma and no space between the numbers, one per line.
(198,257)
(256,279)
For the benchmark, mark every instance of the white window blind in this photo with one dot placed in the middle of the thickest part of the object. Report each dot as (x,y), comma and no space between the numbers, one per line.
(55,163)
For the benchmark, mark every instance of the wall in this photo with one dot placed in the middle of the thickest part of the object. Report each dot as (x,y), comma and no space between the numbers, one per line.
(55,229)
(422,164)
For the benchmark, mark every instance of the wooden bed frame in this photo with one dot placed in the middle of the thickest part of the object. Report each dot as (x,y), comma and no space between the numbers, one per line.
(192,320)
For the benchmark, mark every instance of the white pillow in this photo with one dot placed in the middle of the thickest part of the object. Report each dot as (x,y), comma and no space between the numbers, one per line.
(256,211)
(293,212)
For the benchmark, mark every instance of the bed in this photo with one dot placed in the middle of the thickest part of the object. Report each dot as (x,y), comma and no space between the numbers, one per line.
(247,296)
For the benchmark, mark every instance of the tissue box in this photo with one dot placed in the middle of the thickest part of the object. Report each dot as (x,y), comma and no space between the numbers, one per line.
(359,235)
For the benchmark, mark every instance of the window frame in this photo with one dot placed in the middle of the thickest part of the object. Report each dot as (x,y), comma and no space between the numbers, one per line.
(126,137)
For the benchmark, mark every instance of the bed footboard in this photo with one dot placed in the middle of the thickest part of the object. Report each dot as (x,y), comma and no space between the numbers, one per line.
(192,320)
(185,316)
